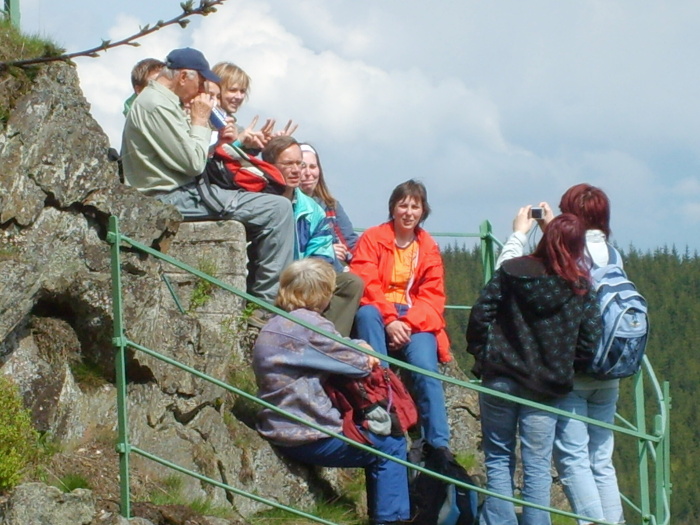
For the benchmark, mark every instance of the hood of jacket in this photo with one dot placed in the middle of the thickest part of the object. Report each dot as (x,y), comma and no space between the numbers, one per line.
(538,293)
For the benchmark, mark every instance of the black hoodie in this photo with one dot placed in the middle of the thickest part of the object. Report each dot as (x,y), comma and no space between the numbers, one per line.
(531,327)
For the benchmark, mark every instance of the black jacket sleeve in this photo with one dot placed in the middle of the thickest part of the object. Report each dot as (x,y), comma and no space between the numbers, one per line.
(482,316)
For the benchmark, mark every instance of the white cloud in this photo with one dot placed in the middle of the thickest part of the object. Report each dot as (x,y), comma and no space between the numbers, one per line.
(493,105)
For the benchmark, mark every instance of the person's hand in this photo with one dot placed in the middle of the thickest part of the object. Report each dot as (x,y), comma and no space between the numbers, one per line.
(200,109)
(289,129)
(250,138)
(547,216)
(229,133)
(523,223)
(371,360)
(341,251)
(399,333)
(269,129)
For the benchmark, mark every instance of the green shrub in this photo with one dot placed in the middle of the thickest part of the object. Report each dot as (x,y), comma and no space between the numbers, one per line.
(203,289)
(18,439)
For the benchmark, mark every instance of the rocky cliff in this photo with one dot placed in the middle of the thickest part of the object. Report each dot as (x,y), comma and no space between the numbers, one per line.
(57,192)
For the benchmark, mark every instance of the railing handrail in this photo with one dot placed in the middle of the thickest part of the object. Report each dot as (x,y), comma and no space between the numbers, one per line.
(647,441)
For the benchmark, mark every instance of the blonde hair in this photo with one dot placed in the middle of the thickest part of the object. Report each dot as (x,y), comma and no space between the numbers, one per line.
(307,283)
(231,75)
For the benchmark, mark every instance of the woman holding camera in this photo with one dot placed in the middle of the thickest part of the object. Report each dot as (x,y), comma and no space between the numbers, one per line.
(583,453)
(532,325)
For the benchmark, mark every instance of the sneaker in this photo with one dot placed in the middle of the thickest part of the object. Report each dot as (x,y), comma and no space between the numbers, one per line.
(259,318)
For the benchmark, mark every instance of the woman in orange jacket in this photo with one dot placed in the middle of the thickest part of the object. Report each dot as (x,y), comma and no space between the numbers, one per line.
(402,306)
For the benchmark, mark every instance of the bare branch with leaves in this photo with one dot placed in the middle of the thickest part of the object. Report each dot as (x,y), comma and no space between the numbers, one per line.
(205,7)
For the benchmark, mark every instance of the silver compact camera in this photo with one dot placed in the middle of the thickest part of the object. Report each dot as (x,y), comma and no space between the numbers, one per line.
(536,212)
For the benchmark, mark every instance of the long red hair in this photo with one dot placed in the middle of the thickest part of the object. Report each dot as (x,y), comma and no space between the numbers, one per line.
(561,250)
(589,203)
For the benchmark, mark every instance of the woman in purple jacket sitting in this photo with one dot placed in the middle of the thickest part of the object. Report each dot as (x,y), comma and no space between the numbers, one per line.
(292,362)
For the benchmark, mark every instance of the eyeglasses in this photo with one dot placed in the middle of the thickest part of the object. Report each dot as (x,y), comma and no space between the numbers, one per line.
(289,163)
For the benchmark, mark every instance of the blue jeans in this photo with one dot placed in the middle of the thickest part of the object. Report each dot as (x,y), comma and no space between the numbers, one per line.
(387,481)
(501,420)
(583,455)
(420,352)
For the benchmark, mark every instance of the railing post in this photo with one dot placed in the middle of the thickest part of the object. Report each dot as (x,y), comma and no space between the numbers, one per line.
(12,12)
(488,255)
(668,486)
(119,340)
(642,447)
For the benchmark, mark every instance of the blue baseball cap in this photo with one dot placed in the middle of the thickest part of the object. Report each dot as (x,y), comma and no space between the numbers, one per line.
(188,58)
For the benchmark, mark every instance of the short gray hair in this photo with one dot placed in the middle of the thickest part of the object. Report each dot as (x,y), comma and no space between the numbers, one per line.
(170,73)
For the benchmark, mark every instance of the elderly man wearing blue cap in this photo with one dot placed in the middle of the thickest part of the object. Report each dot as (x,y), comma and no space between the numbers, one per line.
(164,150)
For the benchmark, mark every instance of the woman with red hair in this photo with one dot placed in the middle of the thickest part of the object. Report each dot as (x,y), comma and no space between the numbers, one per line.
(534,323)
(582,452)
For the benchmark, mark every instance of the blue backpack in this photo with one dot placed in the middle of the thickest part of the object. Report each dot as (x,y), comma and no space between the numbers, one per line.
(625,321)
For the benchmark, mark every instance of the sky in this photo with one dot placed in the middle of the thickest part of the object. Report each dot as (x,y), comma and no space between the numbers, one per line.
(493,105)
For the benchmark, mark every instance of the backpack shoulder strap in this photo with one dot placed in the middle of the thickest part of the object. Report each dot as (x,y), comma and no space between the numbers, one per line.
(210,200)
(613,255)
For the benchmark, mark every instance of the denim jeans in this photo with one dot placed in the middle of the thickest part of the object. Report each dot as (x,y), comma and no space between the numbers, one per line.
(387,481)
(501,420)
(583,455)
(420,352)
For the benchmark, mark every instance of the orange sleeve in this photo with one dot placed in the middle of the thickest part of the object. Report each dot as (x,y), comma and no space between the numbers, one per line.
(428,293)
(366,263)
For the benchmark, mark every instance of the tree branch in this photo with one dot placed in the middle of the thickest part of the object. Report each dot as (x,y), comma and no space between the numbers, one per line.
(205,7)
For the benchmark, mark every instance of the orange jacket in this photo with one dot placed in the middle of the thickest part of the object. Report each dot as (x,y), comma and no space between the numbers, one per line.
(373,260)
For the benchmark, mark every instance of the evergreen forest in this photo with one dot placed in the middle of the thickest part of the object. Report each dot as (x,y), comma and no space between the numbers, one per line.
(670,281)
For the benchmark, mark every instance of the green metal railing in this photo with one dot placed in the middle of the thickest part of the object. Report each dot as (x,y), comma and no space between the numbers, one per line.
(653,446)
(11,12)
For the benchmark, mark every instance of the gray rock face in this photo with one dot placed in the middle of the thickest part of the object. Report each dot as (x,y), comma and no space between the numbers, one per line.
(39,504)
(57,191)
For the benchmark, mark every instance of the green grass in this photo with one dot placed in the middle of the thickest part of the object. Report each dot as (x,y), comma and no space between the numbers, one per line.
(16,46)
(89,376)
(70,482)
(203,289)
(467,460)
(558,519)
(7,252)
(331,511)
(244,409)
(169,492)
(354,486)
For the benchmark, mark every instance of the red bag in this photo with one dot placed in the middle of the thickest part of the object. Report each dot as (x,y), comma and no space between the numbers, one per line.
(233,169)
(356,397)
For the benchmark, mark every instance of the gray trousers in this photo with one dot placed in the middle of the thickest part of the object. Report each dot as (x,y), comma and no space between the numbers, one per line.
(269,226)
